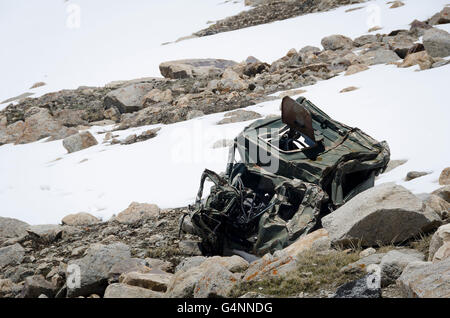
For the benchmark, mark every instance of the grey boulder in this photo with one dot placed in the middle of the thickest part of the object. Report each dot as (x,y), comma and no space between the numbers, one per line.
(384,214)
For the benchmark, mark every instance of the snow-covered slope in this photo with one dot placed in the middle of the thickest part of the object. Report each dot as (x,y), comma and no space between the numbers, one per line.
(120,40)
(41,183)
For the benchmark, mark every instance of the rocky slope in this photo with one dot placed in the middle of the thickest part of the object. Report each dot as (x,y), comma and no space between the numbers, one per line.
(139,253)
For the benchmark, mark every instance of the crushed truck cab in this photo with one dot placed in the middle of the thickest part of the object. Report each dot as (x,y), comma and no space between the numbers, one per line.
(294,169)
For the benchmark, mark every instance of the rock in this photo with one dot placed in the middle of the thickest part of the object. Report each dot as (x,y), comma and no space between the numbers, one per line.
(380,56)
(385,214)
(194,114)
(38,124)
(6,287)
(396,4)
(46,233)
(154,263)
(190,247)
(365,39)
(137,212)
(238,116)
(439,238)
(38,84)
(393,263)
(336,42)
(269,265)
(444,177)
(367,252)
(129,98)
(359,289)
(317,241)
(442,253)
(126,291)
(402,44)
(420,58)
(419,27)
(126,266)
(11,255)
(363,264)
(189,263)
(356,68)
(194,68)
(394,164)
(112,113)
(79,219)
(94,268)
(79,142)
(234,264)
(374,28)
(415,174)
(425,280)
(158,96)
(10,227)
(37,285)
(438,205)
(437,42)
(443,193)
(154,281)
(215,282)
(442,17)
(348,89)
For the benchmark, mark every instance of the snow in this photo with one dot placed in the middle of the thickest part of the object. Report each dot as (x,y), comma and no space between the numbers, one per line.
(41,183)
(120,40)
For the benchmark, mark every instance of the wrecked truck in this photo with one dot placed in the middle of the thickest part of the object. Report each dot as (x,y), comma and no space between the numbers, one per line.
(293,170)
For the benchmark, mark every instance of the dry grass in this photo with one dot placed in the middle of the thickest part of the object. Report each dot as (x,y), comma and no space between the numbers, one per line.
(315,272)
(422,244)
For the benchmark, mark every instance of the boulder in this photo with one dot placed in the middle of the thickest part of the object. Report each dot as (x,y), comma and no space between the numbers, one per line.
(158,96)
(442,17)
(154,263)
(363,264)
(437,42)
(317,241)
(46,233)
(439,238)
(38,124)
(393,263)
(126,291)
(126,266)
(444,177)
(368,251)
(216,281)
(37,285)
(442,253)
(365,39)
(11,255)
(415,174)
(10,227)
(336,42)
(420,58)
(137,212)
(190,262)
(438,205)
(79,141)
(425,280)
(94,268)
(194,68)
(79,219)
(380,56)
(6,287)
(443,193)
(401,44)
(384,214)
(128,98)
(156,281)
(356,68)
(359,288)
(238,115)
